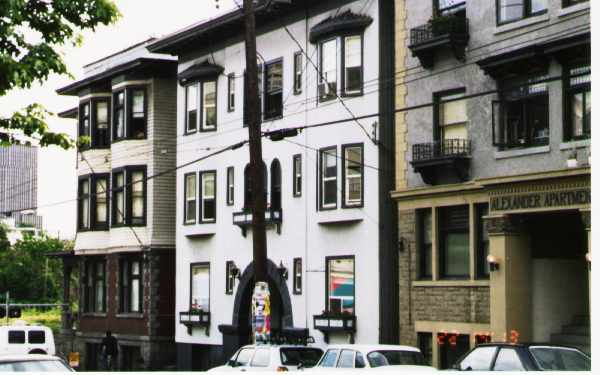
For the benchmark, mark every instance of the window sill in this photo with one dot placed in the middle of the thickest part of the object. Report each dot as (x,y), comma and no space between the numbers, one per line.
(340,217)
(274,118)
(521,152)
(93,315)
(582,143)
(573,9)
(190,132)
(451,283)
(200,230)
(521,23)
(119,140)
(203,130)
(130,316)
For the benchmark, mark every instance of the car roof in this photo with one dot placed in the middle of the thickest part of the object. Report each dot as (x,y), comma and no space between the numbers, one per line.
(27,357)
(370,348)
(527,344)
(280,346)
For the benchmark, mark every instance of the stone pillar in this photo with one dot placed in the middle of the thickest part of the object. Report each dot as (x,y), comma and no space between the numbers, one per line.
(510,284)
(586,218)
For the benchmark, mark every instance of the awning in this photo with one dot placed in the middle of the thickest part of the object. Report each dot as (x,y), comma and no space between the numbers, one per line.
(199,71)
(344,23)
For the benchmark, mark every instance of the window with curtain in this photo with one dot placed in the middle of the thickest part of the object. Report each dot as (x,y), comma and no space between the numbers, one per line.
(209,105)
(101,137)
(100,200)
(328,69)
(353,175)
(452,116)
(273,90)
(138,197)
(137,127)
(131,291)
(84,203)
(190,198)
(353,67)
(453,237)
(118,193)
(94,300)
(119,115)
(207,196)
(200,293)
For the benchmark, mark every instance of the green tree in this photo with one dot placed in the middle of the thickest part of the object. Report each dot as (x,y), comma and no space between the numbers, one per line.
(29,274)
(4,243)
(31,31)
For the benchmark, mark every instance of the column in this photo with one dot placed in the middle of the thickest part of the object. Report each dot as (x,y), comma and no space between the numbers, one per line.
(510,284)
(586,218)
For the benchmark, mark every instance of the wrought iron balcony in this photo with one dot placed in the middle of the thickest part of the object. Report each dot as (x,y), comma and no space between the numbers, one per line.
(444,31)
(436,161)
(243,219)
(331,323)
(195,318)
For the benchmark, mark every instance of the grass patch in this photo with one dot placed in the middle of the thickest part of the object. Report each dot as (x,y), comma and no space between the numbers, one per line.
(49,318)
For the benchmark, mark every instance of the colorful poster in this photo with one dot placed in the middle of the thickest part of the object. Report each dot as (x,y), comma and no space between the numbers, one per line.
(261,312)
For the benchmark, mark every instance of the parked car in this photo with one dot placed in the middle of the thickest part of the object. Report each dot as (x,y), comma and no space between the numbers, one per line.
(21,338)
(272,358)
(523,357)
(33,363)
(373,356)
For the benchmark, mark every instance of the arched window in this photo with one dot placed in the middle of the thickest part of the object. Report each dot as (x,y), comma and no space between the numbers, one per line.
(275,185)
(248,185)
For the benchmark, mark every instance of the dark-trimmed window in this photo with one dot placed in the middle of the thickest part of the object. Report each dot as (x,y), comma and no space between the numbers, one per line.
(137,112)
(297,175)
(99,202)
(230,186)
(83,195)
(189,208)
(273,90)
(229,277)
(353,178)
(453,238)
(450,115)
(483,242)
(298,72)
(449,7)
(208,202)
(297,281)
(328,69)
(119,115)
(578,102)
(191,108)
(521,114)
(353,65)
(275,185)
(231,92)
(129,196)
(95,285)
(328,178)
(209,106)
(100,123)
(340,285)
(84,120)
(130,288)
(514,10)
(118,198)
(568,3)
(200,286)
(424,233)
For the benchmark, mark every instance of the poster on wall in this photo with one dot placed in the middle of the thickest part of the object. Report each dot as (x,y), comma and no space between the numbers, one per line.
(261,312)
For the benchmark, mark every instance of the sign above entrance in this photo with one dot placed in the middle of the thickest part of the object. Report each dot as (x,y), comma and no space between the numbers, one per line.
(541,197)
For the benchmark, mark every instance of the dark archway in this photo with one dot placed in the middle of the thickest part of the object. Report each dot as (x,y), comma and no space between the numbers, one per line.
(238,333)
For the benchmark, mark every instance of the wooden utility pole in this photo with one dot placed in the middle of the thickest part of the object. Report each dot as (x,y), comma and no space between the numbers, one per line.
(259,235)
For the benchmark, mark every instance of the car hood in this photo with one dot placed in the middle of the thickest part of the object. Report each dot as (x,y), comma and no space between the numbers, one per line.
(401,368)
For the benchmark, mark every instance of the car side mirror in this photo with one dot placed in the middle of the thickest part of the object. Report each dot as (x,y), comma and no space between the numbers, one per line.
(232,363)
(300,365)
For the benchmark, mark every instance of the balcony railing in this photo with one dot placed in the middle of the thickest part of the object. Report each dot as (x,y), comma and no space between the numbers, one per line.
(451,31)
(243,219)
(435,159)
(331,323)
(195,318)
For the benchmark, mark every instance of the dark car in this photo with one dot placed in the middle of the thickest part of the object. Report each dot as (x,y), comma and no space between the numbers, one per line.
(523,357)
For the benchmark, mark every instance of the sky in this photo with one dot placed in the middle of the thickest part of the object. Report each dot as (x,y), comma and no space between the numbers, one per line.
(140,20)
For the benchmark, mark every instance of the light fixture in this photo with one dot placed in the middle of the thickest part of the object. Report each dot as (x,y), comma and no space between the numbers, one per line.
(493,263)
(283,272)
(235,271)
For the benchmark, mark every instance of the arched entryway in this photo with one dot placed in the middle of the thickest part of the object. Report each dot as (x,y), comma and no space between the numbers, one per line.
(239,332)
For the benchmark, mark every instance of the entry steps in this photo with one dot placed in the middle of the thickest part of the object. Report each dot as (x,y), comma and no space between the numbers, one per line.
(576,334)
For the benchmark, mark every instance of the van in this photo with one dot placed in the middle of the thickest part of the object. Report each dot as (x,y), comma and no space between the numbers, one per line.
(21,338)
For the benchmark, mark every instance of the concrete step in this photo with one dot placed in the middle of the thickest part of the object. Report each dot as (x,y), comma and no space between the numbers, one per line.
(576,330)
(581,320)
(573,340)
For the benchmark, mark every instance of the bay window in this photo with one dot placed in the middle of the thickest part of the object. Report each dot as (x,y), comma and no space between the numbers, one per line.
(353,175)
(328,178)
(578,102)
(200,287)
(189,208)
(100,202)
(137,110)
(353,65)
(94,275)
(208,207)
(84,120)
(340,285)
(297,172)
(230,186)
(130,114)
(130,288)
(209,106)
(118,194)
(191,110)
(137,192)
(273,99)
(514,10)
(129,196)
(101,134)
(328,64)
(84,203)
(453,242)
(119,115)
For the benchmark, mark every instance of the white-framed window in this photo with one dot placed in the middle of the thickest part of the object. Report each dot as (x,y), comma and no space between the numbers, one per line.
(297,160)
(190,198)
(328,177)
(200,281)
(209,105)
(191,110)
(353,175)
(208,205)
(231,92)
(353,64)
(329,69)
(230,185)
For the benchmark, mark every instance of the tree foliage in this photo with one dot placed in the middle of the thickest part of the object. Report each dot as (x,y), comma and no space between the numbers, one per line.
(28,274)
(31,31)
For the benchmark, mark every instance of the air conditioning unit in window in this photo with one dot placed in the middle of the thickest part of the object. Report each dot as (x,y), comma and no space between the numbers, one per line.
(327,89)
(323,90)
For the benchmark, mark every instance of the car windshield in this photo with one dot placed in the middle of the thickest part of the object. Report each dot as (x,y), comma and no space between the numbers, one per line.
(560,359)
(35,366)
(380,358)
(293,356)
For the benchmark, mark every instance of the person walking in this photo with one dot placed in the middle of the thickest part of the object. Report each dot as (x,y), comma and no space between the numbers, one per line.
(110,351)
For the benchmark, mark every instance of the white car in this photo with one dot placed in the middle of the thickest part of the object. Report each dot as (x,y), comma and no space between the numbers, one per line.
(384,357)
(272,358)
(21,338)
(34,363)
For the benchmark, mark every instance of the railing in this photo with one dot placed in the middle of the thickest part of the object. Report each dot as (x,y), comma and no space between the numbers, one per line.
(440,26)
(444,149)
(331,323)
(243,219)
(195,318)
